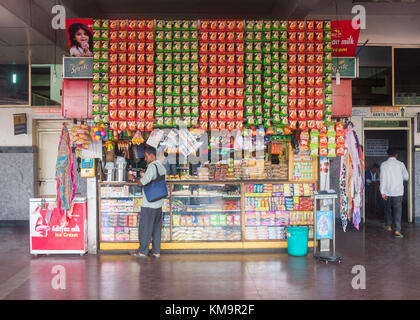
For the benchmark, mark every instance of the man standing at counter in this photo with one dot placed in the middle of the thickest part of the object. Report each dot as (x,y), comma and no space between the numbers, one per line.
(150,218)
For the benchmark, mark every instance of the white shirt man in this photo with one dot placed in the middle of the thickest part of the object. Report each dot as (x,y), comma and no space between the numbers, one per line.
(393,174)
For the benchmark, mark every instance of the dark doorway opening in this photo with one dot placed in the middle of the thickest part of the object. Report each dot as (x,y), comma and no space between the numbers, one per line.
(376,142)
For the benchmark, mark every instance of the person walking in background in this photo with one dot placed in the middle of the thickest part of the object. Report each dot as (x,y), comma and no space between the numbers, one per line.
(393,174)
(150,218)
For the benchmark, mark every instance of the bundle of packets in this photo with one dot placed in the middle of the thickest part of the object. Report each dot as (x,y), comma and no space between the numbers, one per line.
(254,73)
(100,71)
(332,140)
(279,57)
(328,69)
(306,74)
(131,75)
(221,74)
(177,81)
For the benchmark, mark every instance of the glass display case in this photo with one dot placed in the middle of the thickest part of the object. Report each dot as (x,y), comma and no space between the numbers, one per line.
(119,205)
(206,212)
(270,208)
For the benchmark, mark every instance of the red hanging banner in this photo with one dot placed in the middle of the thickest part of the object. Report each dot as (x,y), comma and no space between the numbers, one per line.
(344,38)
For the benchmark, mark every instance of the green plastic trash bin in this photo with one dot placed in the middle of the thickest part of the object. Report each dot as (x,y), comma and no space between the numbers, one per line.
(297,241)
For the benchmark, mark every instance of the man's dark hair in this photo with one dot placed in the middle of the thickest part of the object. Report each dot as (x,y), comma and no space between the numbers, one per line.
(392,152)
(150,150)
(375,165)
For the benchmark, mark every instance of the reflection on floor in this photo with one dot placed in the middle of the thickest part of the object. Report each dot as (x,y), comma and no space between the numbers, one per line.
(391,272)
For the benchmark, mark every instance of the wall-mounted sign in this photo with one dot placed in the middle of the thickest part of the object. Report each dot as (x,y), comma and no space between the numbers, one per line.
(359,113)
(344,38)
(376,147)
(20,124)
(46,113)
(77,68)
(87,169)
(348,67)
(385,111)
(324,225)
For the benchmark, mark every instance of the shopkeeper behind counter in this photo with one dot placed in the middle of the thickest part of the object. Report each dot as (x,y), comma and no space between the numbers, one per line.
(150,219)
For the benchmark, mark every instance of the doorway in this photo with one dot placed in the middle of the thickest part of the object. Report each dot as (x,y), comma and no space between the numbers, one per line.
(48,134)
(378,136)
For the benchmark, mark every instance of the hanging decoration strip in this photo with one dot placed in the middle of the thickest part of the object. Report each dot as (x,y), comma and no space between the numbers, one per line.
(177,83)
(221,74)
(100,80)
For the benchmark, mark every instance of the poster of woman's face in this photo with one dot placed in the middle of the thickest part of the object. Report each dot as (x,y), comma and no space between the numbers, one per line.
(80,36)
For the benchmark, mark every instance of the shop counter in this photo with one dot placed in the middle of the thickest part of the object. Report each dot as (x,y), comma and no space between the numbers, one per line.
(208,215)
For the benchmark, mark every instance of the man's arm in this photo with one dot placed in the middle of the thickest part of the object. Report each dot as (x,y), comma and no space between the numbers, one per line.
(148,175)
(382,183)
(405,172)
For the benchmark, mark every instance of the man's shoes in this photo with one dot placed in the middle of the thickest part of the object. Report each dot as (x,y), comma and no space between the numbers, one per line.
(398,236)
(387,228)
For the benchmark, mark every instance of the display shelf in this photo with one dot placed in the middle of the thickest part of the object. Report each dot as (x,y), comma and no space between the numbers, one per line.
(195,233)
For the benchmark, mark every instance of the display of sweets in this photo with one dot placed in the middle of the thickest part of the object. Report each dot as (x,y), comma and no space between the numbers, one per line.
(100,86)
(221,74)
(131,75)
(177,81)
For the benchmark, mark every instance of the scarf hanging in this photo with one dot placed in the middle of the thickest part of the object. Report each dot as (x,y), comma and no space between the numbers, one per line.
(351,179)
(66,186)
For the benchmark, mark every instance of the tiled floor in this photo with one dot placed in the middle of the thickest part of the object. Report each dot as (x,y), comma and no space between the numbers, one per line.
(391,272)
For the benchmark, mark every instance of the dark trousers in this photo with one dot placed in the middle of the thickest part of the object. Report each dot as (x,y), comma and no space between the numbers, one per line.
(393,209)
(150,228)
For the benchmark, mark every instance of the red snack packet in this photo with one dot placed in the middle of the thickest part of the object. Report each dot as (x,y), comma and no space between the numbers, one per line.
(113,103)
(204,114)
(221,103)
(204,125)
(213,114)
(213,103)
(140,125)
(113,125)
(302,115)
(293,124)
(310,114)
(213,125)
(293,114)
(141,114)
(319,114)
(302,125)
(131,103)
(113,114)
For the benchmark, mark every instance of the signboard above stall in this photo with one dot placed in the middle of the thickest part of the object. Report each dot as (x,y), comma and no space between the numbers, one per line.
(77,68)
(347,66)
(388,112)
(344,38)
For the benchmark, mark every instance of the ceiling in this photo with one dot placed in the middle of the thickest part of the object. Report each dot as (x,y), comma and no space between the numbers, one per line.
(25,25)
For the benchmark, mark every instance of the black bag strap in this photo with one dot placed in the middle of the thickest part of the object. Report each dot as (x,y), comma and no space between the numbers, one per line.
(157,172)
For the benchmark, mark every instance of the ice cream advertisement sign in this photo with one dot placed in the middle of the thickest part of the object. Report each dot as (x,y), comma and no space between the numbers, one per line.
(344,38)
